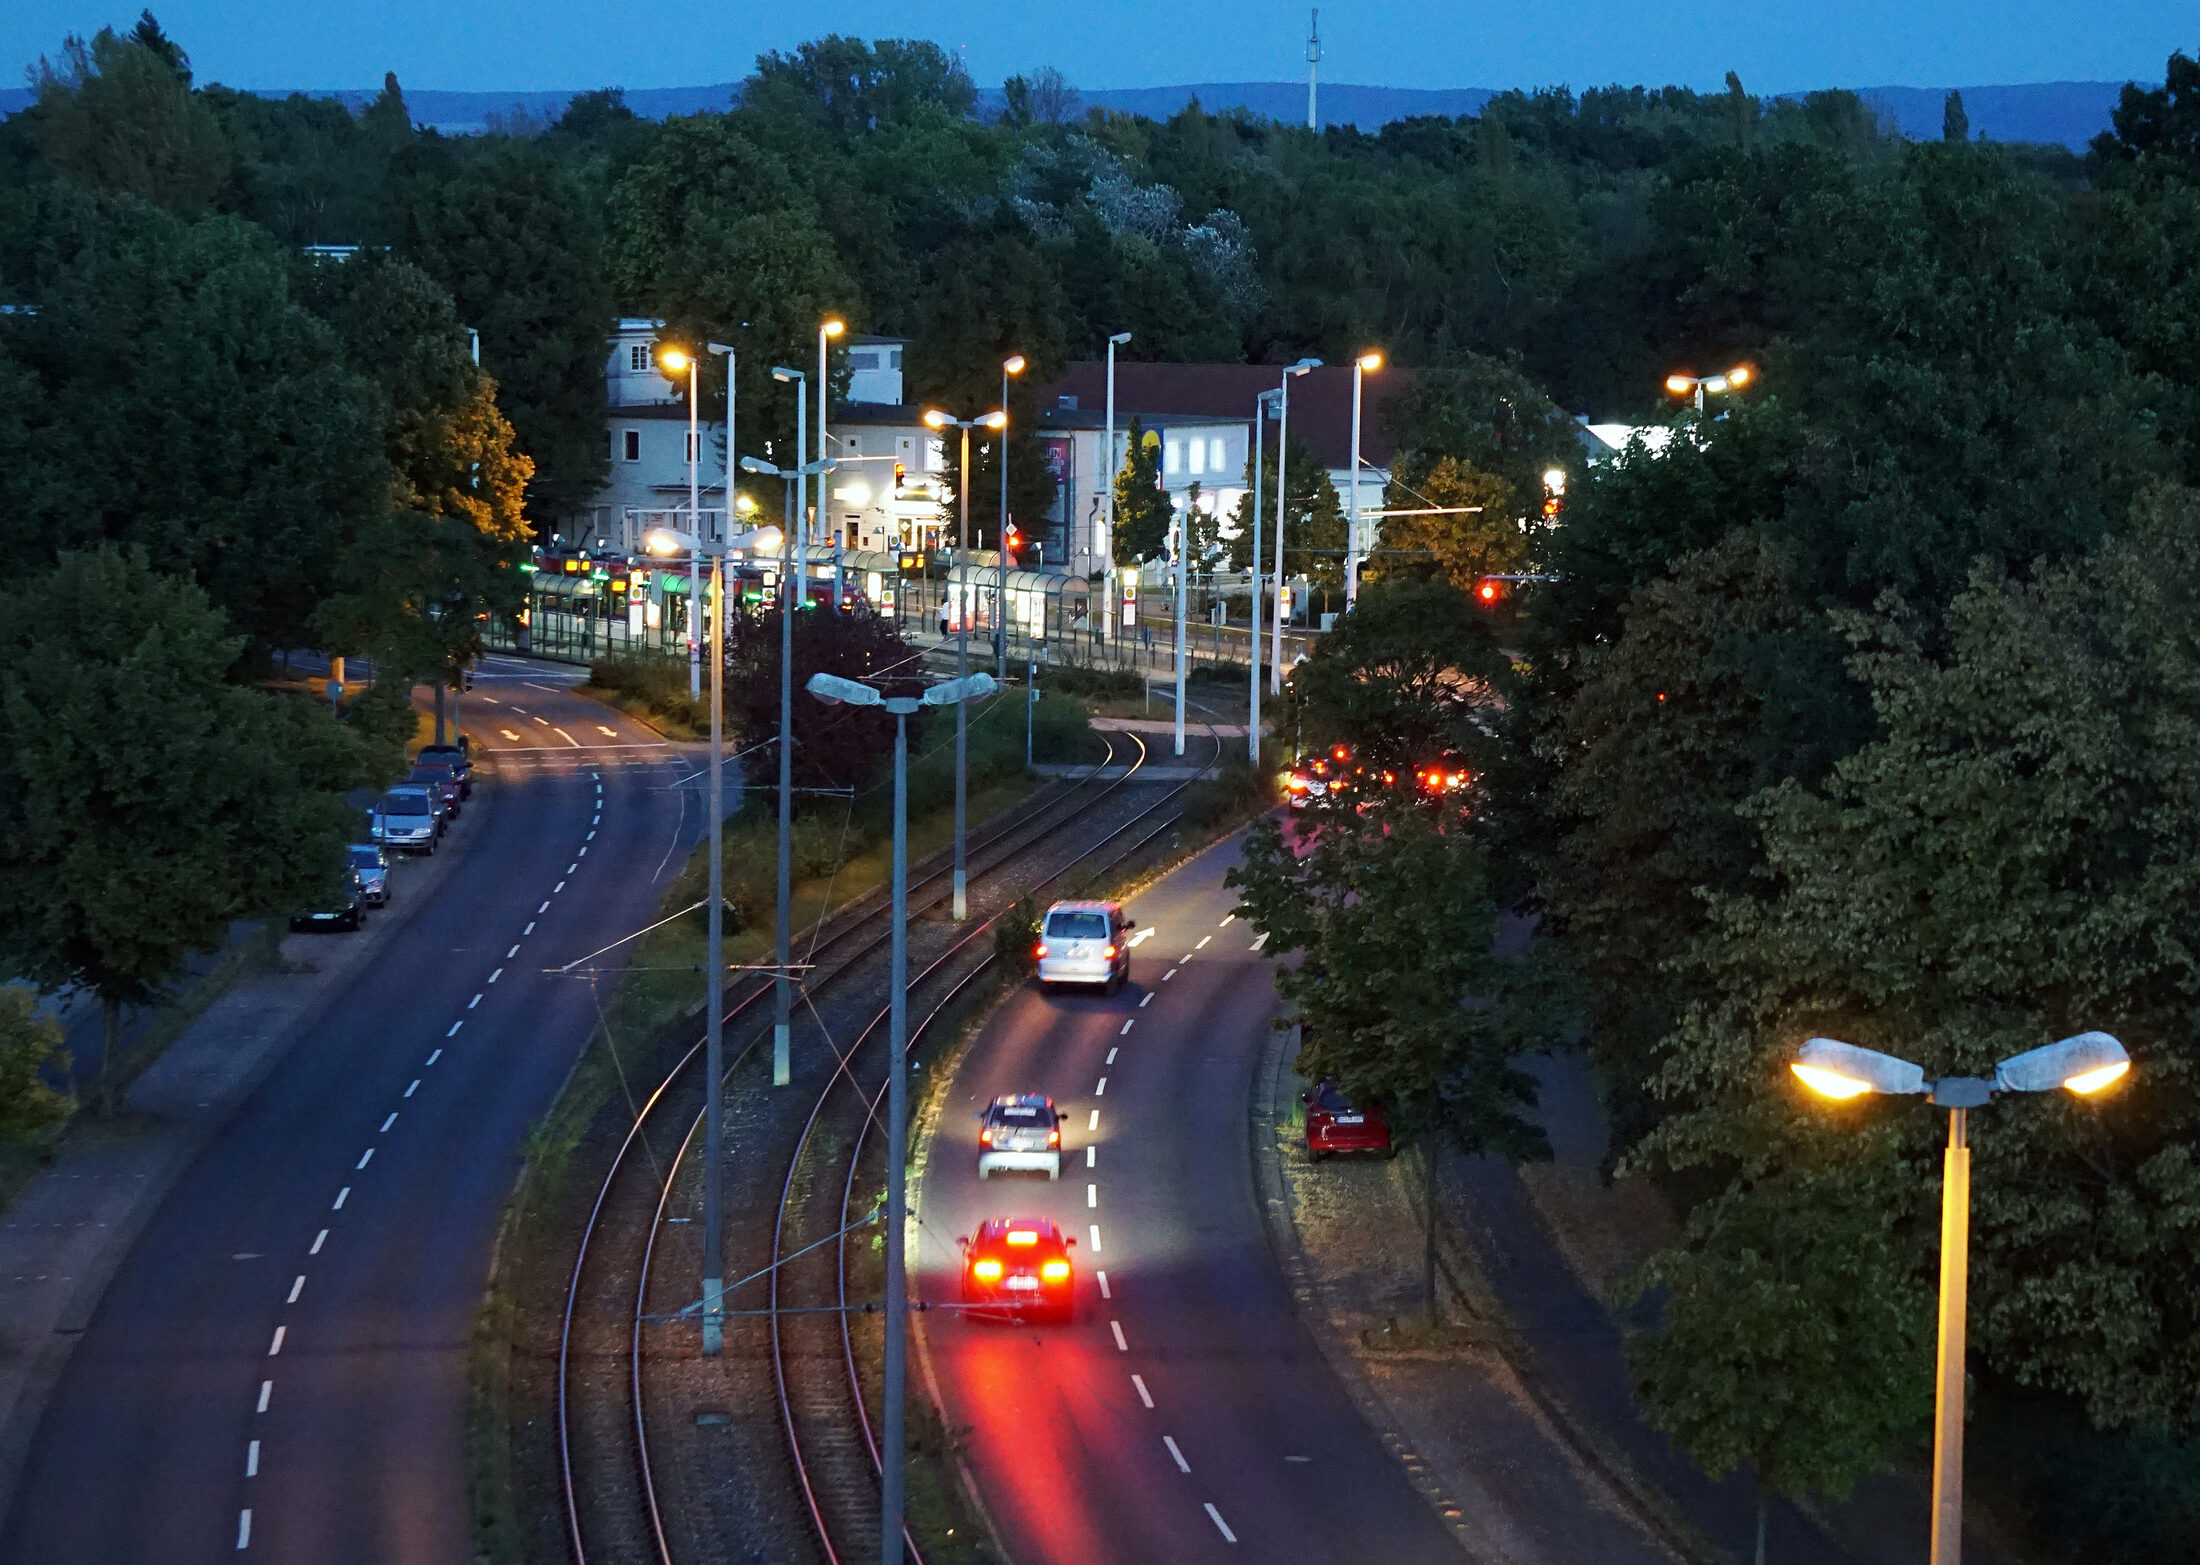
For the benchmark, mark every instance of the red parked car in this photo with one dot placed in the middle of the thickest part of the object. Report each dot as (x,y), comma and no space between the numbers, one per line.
(1021,1263)
(1335,1124)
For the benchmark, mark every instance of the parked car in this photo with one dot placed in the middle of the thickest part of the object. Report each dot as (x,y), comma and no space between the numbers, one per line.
(348,912)
(1021,1131)
(456,757)
(1334,1123)
(1085,943)
(1021,1264)
(372,866)
(407,817)
(429,774)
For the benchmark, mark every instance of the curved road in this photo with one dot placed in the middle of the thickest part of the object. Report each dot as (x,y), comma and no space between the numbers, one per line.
(1187,1415)
(279,1367)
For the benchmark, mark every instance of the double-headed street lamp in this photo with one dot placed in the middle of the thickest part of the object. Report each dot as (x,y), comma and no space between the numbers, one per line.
(2084,1064)
(662,541)
(1733,380)
(783,986)
(934,418)
(892,1443)
(1370,360)
(1283,435)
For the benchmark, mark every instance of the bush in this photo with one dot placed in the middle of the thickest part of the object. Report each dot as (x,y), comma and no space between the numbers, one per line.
(1223,673)
(1104,684)
(1061,731)
(657,684)
(1236,793)
(1015,933)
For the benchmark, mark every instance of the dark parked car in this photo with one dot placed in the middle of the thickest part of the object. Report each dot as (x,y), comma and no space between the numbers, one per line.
(348,913)
(442,784)
(1335,1124)
(455,757)
(372,866)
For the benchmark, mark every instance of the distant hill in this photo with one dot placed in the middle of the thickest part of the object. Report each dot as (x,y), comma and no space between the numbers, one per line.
(2068,112)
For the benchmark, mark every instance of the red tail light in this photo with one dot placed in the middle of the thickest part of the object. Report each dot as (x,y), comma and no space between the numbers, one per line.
(1111,953)
(985,1137)
(986,1270)
(1054,1138)
(1055,1271)
(1039,951)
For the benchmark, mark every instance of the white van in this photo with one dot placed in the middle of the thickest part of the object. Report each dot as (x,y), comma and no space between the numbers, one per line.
(1085,943)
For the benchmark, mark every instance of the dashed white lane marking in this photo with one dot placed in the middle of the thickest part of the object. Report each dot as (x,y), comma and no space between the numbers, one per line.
(530,929)
(595,820)
(244,1528)
(540,911)
(1091,1155)
(252,1460)
(386,1124)
(267,1390)
(591,837)
(1092,1196)
(1186,957)
(296,1288)
(513,952)
(1126,1027)
(1227,1535)
(1101,1091)
(438,1053)
(319,1239)
(1103,1276)
(523,712)
(276,1346)
(492,700)
(582,854)
(1095,1125)
(560,886)
(1096,1238)
(1227,921)
(454,1028)
(415,1087)
(1110,1060)
(499,973)
(1259,940)
(342,1196)
(1144,1395)
(1116,1326)
(1148,1000)
(1171,973)
(363,1158)
(570,868)
(542,720)
(1203,939)
(1182,1466)
(476,1000)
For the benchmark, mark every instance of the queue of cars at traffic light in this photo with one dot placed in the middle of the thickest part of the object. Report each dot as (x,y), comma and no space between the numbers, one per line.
(1338,779)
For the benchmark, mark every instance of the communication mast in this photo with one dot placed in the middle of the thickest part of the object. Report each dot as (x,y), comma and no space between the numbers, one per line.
(1313,59)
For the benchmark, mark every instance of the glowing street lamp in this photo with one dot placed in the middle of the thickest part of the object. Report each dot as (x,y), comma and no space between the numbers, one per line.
(1733,380)
(1012,365)
(1369,360)
(2084,1065)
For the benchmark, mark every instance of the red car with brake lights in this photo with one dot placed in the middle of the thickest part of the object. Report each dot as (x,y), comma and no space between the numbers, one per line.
(1022,1265)
(1335,1124)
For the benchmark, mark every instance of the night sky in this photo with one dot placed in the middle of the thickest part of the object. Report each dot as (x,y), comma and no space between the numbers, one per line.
(1776,45)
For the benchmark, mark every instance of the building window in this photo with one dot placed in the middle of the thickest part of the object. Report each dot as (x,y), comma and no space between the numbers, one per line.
(1215,458)
(693,444)
(894,359)
(935,455)
(630,444)
(1197,452)
(1172,456)
(860,360)
(637,356)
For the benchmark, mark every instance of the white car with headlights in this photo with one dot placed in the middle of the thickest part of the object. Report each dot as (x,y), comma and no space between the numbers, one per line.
(1022,1133)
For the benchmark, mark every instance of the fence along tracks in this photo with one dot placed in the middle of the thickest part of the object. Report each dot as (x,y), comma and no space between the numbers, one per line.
(621,1513)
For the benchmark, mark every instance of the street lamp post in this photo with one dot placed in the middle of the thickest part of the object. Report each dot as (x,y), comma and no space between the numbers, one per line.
(1012,365)
(995,420)
(1283,454)
(1360,366)
(676,360)
(783,985)
(2084,1064)
(1107,460)
(1183,550)
(670,541)
(827,329)
(894,1372)
(1733,380)
(1261,405)
(800,472)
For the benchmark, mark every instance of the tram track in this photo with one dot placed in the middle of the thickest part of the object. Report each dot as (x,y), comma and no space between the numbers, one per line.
(616,1492)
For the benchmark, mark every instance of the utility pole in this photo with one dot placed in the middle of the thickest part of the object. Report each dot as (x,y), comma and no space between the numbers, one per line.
(1183,552)
(1261,404)
(960,596)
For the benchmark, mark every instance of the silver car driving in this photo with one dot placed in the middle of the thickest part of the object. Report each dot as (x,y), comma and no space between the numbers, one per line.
(1023,1132)
(1085,943)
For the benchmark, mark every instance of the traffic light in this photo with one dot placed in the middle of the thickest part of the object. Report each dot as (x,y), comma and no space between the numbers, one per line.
(900,473)
(1490,590)
(1013,540)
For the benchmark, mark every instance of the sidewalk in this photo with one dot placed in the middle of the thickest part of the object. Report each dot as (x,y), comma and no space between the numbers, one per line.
(69,1230)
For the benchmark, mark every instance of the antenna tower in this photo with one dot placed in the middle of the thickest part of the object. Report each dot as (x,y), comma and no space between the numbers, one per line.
(1313,59)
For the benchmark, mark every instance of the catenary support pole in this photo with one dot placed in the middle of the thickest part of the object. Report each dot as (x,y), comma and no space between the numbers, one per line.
(714,1031)
(1252,640)
(783,984)
(1283,455)
(961,599)
(1183,570)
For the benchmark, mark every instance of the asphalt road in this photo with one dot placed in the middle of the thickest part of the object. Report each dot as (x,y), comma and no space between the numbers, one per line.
(1187,1415)
(279,1367)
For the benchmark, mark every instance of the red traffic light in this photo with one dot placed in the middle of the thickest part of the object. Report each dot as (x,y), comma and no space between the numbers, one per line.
(1489,592)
